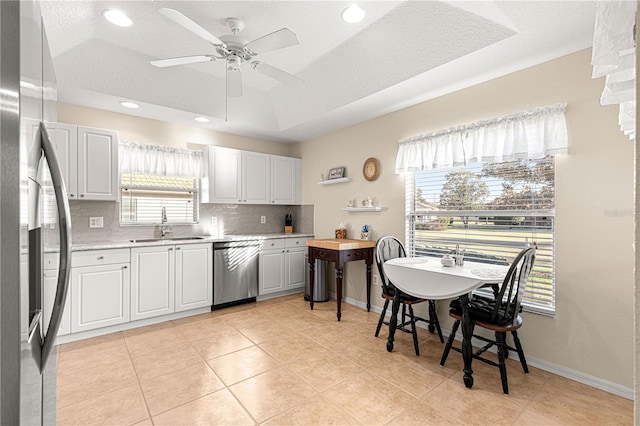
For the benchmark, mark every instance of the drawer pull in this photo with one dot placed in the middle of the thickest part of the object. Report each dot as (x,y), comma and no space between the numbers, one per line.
(124,267)
(100,257)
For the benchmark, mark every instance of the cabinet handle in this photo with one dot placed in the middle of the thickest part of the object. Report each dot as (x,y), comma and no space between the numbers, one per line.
(71,195)
(177,248)
(124,267)
(81,195)
(170,248)
(100,257)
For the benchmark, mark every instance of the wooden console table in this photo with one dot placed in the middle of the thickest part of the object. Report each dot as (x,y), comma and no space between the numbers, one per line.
(340,251)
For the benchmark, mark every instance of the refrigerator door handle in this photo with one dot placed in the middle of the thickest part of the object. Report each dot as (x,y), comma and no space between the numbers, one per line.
(64,222)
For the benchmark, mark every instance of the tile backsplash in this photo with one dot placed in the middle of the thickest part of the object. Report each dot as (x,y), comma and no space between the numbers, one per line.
(231,218)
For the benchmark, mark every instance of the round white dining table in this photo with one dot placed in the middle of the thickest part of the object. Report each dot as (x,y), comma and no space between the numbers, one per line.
(427,278)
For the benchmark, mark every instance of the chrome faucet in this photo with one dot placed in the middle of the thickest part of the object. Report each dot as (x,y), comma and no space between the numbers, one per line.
(164,229)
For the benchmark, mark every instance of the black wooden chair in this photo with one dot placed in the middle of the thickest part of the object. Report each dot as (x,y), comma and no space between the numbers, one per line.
(388,247)
(499,314)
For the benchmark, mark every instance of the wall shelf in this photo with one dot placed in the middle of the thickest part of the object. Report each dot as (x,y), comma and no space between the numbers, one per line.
(332,181)
(362,209)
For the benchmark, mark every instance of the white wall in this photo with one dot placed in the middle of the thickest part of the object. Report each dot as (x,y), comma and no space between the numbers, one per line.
(592,331)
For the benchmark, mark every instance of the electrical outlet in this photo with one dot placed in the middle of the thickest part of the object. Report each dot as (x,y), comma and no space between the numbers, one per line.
(263,219)
(214,220)
(375,280)
(96,222)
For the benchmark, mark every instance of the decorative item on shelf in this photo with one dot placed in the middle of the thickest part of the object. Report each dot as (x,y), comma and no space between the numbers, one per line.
(321,177)
(350,203)
(336,173)
(288,223)
(367,202)
(341,232)
(364,234)
(371,169)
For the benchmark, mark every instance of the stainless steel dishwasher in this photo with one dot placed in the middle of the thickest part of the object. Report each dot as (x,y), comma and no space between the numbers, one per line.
(235,272)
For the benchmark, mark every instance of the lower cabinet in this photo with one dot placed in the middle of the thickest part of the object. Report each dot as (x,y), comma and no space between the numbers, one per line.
(194,276)
(282,265)
(166,279)
(152,281)
(99,296)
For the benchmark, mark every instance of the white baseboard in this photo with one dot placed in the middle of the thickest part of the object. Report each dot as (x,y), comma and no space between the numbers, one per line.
(560,370)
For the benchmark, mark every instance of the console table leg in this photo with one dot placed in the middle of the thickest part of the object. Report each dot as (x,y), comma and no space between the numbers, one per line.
(339,291)
(368,287)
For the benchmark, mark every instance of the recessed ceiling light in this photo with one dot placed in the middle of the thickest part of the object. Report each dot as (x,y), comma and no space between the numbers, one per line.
(353,14)
(202,119)
(117,17)
(128,104)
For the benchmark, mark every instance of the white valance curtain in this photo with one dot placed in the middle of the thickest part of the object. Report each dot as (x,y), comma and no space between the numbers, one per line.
(525,135)
(613,57)
(139,158)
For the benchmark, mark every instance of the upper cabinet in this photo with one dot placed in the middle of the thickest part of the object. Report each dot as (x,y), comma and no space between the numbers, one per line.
(235,176)
(222,175)
(89,160)
(285,180)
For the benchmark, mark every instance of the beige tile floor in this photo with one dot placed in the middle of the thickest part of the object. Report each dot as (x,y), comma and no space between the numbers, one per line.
(278,363)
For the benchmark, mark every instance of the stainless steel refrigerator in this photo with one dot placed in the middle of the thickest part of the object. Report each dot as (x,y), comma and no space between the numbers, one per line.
(34,218)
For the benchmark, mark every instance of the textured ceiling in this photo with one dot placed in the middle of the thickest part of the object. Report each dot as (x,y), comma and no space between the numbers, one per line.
(401,54)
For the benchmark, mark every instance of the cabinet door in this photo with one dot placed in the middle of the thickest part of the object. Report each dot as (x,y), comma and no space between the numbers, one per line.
(64,138)
(285,180)
(256,185)
(221,183)
(152,281)
(194,276)
(271,271)
(295,268)
(49,294)
(99,296)
(97,164)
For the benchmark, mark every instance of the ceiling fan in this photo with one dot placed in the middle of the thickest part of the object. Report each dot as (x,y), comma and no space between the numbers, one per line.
(234,51)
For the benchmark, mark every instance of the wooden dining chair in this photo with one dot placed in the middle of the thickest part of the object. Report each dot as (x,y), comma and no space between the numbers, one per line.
(388,247)
(500,315)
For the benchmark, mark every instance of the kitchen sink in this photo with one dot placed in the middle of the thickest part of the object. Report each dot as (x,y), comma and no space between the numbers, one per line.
(155,240)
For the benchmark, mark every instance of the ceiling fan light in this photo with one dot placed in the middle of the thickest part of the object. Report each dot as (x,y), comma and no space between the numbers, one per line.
(353,14)
(128,104)
(117,17)
(202,119)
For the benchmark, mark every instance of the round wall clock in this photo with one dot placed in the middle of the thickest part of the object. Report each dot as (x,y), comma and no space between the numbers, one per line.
(371,169)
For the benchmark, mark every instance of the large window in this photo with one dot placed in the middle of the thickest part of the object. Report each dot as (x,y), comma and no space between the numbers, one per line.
(144,196)
(491,211)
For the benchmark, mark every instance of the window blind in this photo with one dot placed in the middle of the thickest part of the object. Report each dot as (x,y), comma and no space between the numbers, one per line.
(491,211)
(144,196)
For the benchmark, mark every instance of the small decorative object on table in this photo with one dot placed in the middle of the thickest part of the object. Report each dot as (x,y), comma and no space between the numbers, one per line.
(288,223)
(364,234)
(341,233)
(336,173)
(447,260)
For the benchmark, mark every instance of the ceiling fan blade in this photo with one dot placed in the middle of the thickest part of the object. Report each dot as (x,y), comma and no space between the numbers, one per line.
(278,74)
(188,24)
(274,41)
(182,60)
(234,82)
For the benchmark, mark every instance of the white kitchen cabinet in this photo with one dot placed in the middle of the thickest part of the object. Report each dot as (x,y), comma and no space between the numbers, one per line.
(49,293)
(88,158)
(282,265)
(97,164)
(222,176)
(235,176)
(194,276)
(256,172)
(100,288)
(271,278)
(286,180)
(152,281)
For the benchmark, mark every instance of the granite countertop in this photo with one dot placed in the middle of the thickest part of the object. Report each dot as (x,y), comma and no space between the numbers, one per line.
(177,240)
